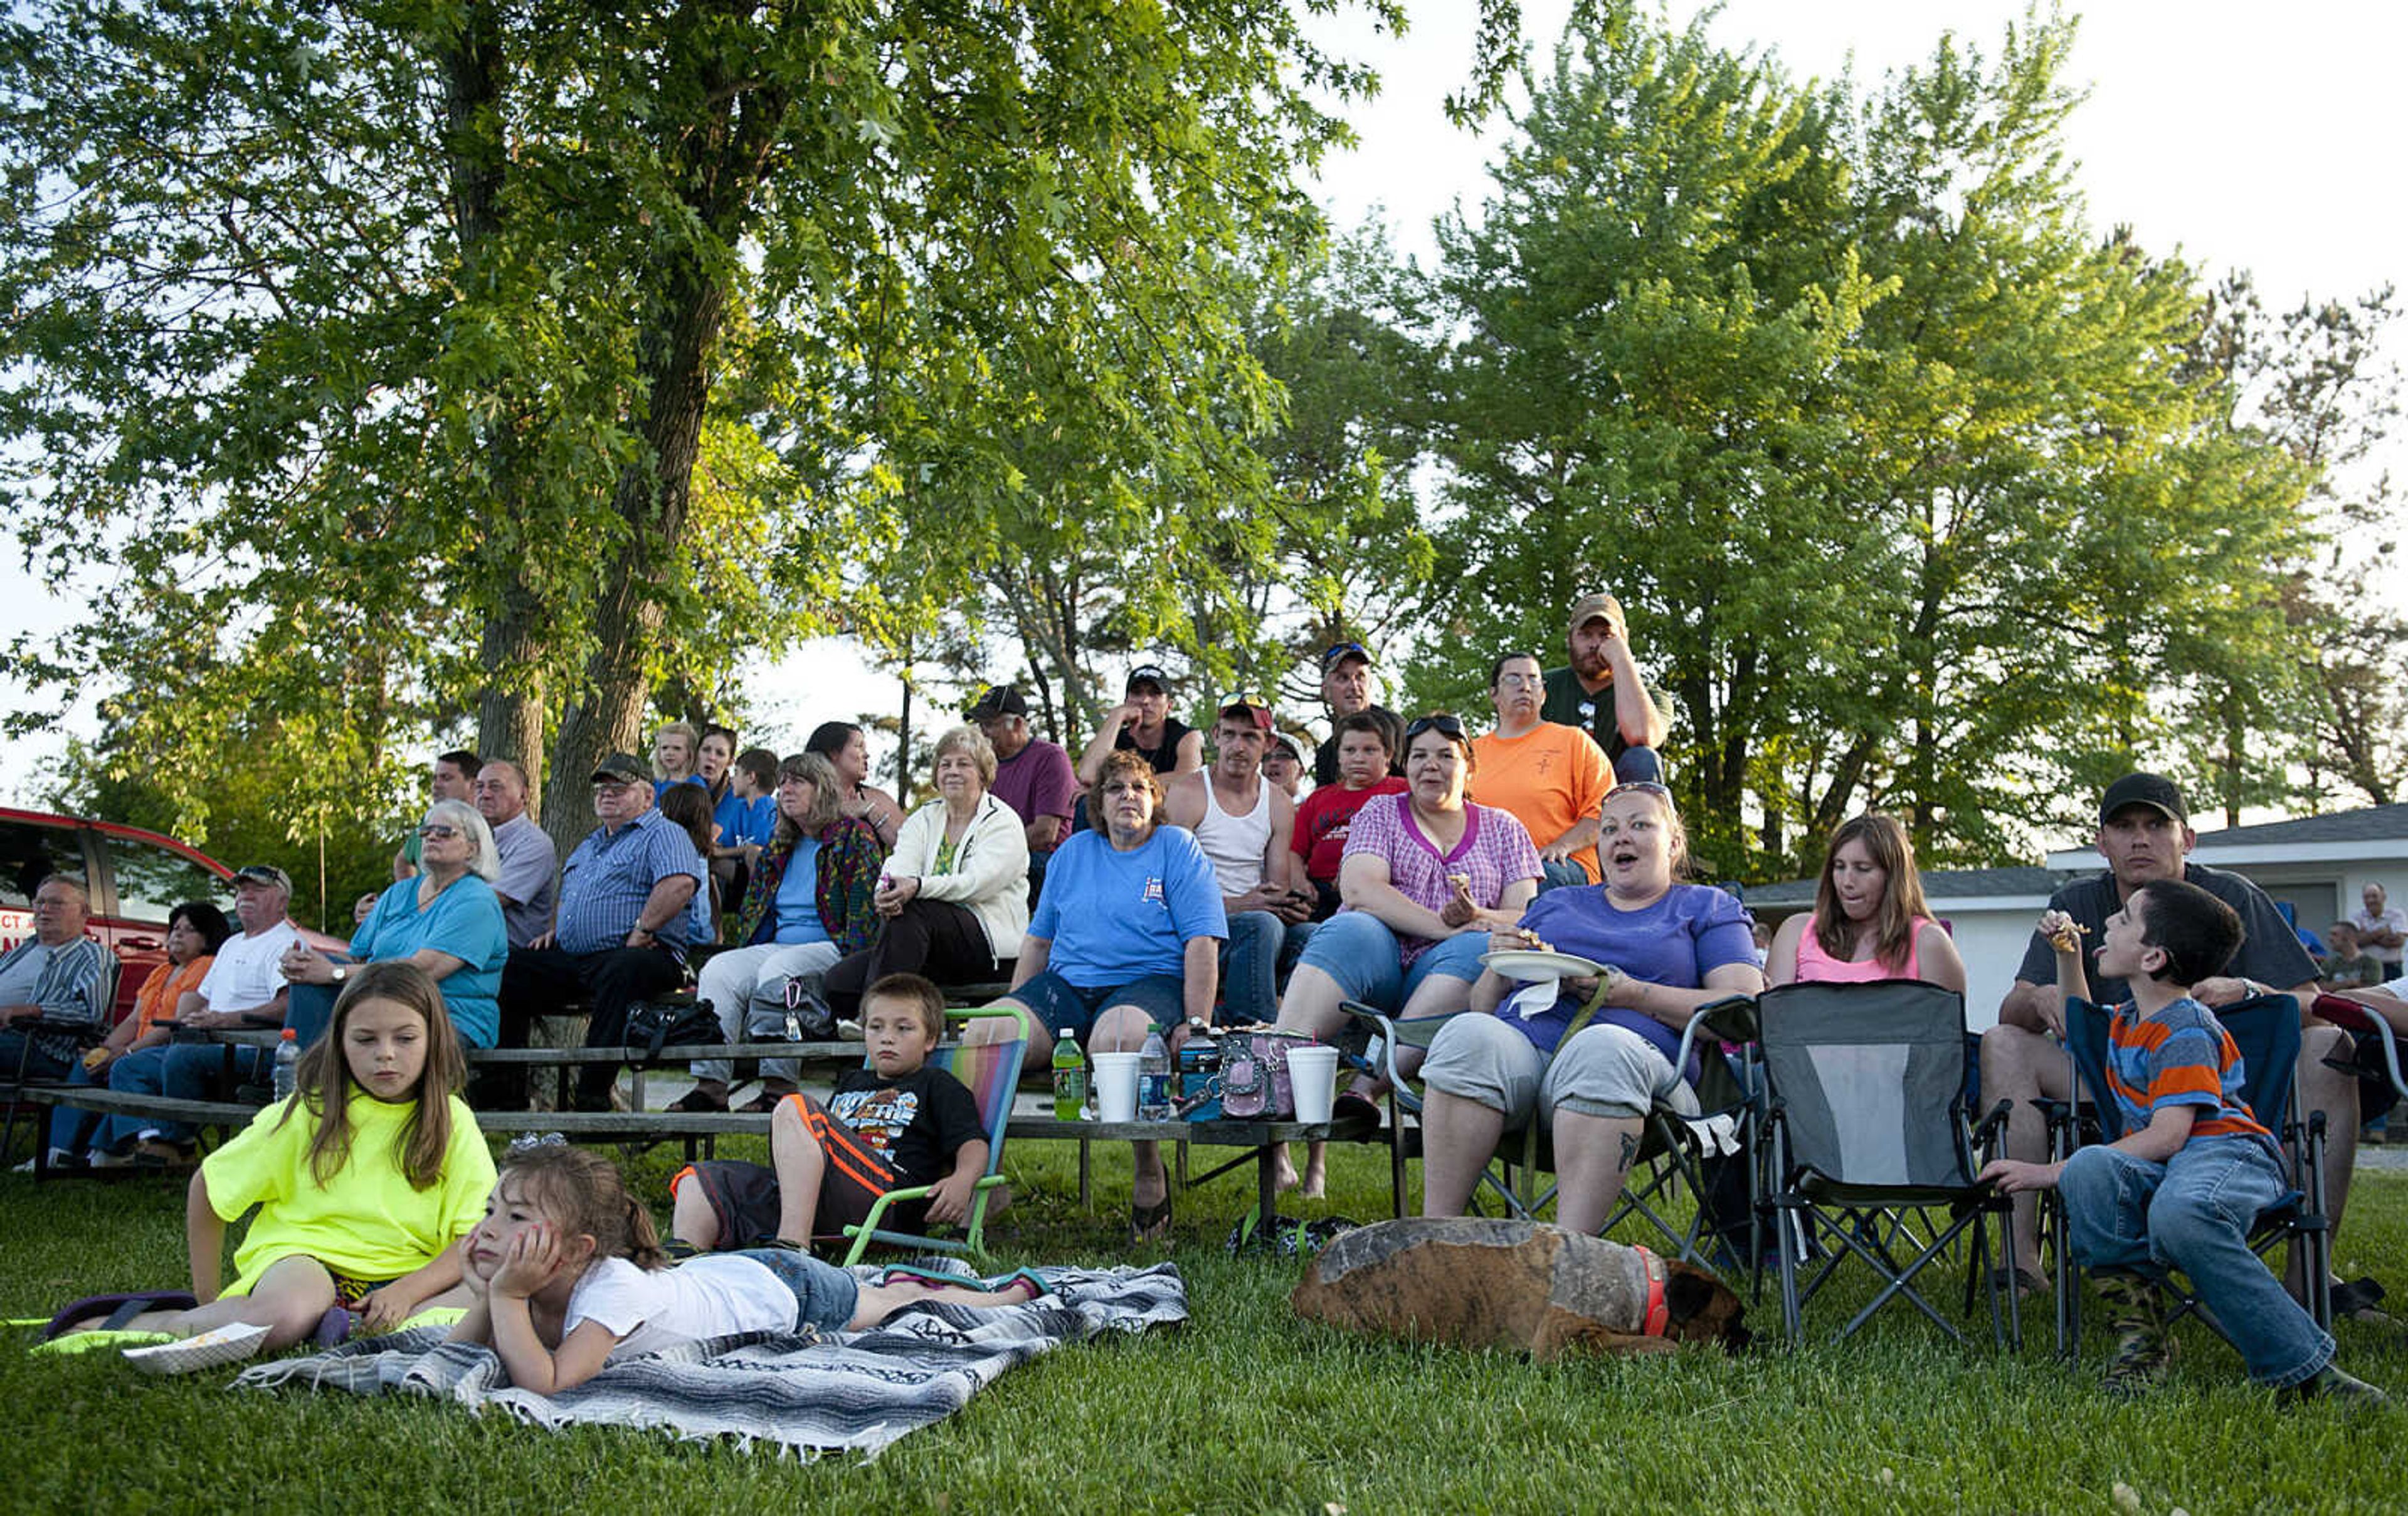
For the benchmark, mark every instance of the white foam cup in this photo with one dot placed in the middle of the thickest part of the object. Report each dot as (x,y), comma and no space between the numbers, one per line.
(1116,1086)
(1312,1071)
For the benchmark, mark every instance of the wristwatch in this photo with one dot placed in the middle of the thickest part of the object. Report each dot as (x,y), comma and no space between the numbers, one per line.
(342,971)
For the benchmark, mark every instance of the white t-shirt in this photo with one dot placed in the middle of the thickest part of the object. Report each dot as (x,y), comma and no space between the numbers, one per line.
(246,972)
(716,1295)
(19,981)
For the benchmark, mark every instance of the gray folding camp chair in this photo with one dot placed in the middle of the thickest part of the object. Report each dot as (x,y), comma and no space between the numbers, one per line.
(1865,1117)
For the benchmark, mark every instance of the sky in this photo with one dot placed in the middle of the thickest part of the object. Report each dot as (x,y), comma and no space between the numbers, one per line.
(2260,137)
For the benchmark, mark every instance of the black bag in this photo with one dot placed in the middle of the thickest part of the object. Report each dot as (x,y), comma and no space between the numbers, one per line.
(653,1025)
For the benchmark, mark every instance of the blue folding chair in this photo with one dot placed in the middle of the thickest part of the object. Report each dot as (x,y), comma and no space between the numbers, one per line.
(2266,1030)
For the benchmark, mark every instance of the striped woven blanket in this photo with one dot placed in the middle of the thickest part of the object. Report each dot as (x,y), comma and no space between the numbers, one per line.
(805,1392)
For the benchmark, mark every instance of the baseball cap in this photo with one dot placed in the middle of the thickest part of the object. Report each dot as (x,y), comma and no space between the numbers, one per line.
(1286,744)
(2154,792)
(1338,653)
(621,769)
(1149,673)
(1246,707)
(264,873)
(998,700)
(1590,607)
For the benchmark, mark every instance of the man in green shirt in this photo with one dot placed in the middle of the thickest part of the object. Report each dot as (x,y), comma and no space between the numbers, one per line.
(1602,694)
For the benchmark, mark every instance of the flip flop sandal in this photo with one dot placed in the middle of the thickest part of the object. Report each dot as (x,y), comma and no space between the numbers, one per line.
(85,1342)
(1036,1281)
(213,1348)
(116,1311)
(1350,1107)
(334,1328)
(1150,1223)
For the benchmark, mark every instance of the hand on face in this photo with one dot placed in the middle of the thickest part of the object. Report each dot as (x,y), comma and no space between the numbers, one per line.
(530,1260)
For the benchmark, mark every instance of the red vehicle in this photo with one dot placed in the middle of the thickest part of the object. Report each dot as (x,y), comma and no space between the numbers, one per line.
(137,877)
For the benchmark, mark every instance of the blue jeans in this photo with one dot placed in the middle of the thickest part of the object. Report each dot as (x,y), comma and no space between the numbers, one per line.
(72,1131)
(2193,1213)
(1360,951)
(825,1296)
(1250,963)
(1563,874)
(179,1071)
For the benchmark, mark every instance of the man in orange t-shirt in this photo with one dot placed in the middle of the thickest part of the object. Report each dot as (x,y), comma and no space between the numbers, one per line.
(1552,778)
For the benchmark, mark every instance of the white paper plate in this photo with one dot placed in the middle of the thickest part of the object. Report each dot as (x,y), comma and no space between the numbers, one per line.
(1526,963)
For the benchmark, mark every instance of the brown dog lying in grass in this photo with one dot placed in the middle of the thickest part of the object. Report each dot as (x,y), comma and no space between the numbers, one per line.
(1526,1286)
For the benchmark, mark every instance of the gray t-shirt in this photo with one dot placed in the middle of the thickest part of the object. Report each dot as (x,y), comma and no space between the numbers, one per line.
(530,881)
(2270,950)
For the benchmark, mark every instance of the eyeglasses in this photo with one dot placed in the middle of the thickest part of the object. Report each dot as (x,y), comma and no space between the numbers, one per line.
(1520,681)
(1445,724)
(438,835)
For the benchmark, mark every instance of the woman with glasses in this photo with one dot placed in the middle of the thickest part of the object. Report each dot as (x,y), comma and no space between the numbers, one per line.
(1669,948)
(809,903)
(1551,777)
(1426,877)
(1870,921)
(447,920)
(954,900)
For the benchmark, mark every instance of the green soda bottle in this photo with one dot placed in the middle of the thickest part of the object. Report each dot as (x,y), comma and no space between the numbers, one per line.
(1070,1079)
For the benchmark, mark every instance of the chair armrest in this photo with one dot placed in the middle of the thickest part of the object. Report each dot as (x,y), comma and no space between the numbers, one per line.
(1732,1018)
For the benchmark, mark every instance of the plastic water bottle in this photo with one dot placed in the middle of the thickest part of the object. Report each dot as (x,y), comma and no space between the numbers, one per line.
(1154,1079)
(1070,1079)
(287,1053)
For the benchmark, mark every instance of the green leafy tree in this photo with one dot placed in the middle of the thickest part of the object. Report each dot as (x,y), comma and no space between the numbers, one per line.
(542,356)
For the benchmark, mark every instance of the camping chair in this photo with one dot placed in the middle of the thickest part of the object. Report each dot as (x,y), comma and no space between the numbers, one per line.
(1670,1151)
(1865,1120)
(2266,1029)
(990,1072)
(83,1033)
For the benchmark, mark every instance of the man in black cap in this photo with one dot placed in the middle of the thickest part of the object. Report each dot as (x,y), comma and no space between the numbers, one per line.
(1142,723)
(1032,775)
(631,902)
(1346,688)
(2145,834)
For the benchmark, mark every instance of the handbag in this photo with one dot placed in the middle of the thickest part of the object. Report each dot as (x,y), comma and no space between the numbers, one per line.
(653,1025)
(1254,1083)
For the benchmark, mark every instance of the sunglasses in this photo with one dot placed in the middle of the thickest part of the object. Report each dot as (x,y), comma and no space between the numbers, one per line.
(1638,787)
(1343,650)
(1445,725)
(438,835)
(1244,698)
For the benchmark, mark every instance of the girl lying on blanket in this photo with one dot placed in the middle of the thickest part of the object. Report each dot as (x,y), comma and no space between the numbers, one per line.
(363,1179)
(566,1269)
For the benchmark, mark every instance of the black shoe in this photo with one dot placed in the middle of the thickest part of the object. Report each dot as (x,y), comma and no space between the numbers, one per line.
(2334,1385)
(698,1099)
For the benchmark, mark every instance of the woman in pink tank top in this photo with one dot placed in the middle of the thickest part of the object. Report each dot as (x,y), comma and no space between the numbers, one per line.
(1870,921)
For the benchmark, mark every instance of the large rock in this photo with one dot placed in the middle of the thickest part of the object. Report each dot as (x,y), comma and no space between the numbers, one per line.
(1525,1286)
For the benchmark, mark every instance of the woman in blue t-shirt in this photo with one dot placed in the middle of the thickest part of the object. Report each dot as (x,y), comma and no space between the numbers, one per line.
(1126,938)
(447,920)
(1669,947)
(808,903)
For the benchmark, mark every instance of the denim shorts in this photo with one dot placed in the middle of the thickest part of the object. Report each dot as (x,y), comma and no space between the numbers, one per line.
(1070,1010)
(1360,951)
(825,1296)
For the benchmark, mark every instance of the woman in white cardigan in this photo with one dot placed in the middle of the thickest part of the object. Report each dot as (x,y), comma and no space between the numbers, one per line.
(955,895)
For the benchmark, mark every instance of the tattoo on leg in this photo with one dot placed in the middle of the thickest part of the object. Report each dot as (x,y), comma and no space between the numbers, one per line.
(1630,1151)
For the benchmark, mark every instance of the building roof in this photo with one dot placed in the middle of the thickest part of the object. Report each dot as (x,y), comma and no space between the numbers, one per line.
(2371,823)
(1938,883)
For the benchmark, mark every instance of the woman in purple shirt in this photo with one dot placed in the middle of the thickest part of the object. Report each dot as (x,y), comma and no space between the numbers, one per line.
(1426,876)
(1670,948)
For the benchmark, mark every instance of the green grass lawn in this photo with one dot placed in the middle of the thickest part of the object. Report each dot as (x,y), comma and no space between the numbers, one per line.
(1243,1409)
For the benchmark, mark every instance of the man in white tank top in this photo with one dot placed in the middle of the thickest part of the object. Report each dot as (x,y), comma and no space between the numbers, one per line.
(1244,825)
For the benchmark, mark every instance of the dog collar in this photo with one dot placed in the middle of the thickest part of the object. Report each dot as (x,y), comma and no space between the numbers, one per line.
(1659,1315)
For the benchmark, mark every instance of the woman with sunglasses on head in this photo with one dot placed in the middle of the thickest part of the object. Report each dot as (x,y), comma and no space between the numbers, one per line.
(1426,877)
(447,920)
(1870,921)
(1669,948)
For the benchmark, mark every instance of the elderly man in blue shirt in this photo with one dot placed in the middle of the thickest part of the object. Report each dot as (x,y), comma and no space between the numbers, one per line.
(59,977)
(631,903)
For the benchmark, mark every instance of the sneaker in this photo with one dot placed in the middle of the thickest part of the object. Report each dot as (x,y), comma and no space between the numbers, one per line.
(210,1349)
(2332,1384)
(2144,1354)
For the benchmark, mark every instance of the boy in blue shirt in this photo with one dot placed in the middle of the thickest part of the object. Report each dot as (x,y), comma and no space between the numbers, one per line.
(2174,1192)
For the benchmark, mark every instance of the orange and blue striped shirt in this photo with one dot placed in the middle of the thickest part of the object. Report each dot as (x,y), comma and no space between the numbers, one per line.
(2182,1056)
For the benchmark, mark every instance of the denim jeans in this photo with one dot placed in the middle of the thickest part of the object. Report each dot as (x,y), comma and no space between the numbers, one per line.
(2193,1213)
(1562,873)
(1250,963)
(1360,951)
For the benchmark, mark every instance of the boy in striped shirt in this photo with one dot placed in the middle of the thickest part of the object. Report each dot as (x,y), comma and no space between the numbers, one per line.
(2176,1191)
